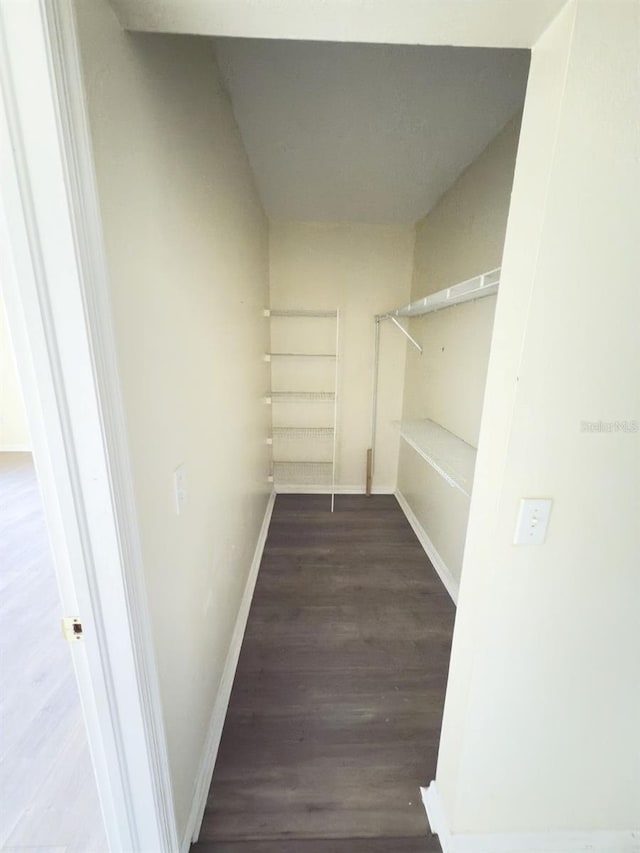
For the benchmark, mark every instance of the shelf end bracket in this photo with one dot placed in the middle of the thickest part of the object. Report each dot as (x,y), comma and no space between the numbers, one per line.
(404,332)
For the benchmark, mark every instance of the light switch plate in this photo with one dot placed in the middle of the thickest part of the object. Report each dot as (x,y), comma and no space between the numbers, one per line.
(533,520)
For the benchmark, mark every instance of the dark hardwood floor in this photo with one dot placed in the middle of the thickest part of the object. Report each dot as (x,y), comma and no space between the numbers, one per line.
(336,708)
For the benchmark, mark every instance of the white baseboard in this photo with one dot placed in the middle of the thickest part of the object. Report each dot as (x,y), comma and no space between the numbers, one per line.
(436,816)
(617,841)
(216,723)
(15,448)
(326,490)
(451,584)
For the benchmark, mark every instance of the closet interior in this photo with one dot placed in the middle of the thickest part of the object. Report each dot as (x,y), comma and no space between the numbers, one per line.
(297,203)
(303,212)
(384,263)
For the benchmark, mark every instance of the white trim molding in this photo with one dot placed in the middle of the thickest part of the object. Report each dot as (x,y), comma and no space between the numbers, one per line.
(73,125)
(435,815)
(570,841)
(216,722)
(450,583)
(55,286)
(15,448)
(326,490)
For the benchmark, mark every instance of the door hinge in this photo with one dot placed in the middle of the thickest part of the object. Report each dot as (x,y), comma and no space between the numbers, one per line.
(72,629)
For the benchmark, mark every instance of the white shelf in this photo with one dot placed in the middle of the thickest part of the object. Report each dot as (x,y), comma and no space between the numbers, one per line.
(287,433)
(300,397)
(466,291)
(269,355)
(450,456)
(288,473)
(291,343)
(277,313)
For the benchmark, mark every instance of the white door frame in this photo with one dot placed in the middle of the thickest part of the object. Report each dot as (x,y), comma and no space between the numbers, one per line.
(54,280)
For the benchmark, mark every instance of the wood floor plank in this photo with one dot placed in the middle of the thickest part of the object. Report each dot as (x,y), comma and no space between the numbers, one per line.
(336,709)
(48,796)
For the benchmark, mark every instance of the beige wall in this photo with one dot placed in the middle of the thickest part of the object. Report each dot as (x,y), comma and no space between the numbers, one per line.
(364,270)
(14,430)
(461,237)
(541,721)
(463,234)
(187,247)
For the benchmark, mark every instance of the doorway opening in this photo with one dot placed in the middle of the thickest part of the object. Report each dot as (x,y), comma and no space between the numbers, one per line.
(48,790)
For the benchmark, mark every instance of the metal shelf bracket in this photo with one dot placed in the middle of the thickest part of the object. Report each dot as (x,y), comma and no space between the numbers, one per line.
(406,334)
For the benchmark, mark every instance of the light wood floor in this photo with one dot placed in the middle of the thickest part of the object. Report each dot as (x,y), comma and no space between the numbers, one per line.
(336,709)
(48,796)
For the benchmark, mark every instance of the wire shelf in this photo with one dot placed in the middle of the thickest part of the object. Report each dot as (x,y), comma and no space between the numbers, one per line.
(295,313)
(299,433)
(466,291)
(301,397)
(299,358)
(449,455)
(302,473)
(269,355)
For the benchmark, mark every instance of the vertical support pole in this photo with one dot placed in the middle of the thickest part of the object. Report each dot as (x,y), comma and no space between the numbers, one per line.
(335,412)
(374,395)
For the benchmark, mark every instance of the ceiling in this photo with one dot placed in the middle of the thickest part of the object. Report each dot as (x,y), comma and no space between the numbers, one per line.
(468,23)
(371,133)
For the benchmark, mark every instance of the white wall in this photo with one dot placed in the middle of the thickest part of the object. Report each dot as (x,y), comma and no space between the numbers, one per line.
(364,270)
(541,723)
(187,247)
(461,237)
(14,430)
